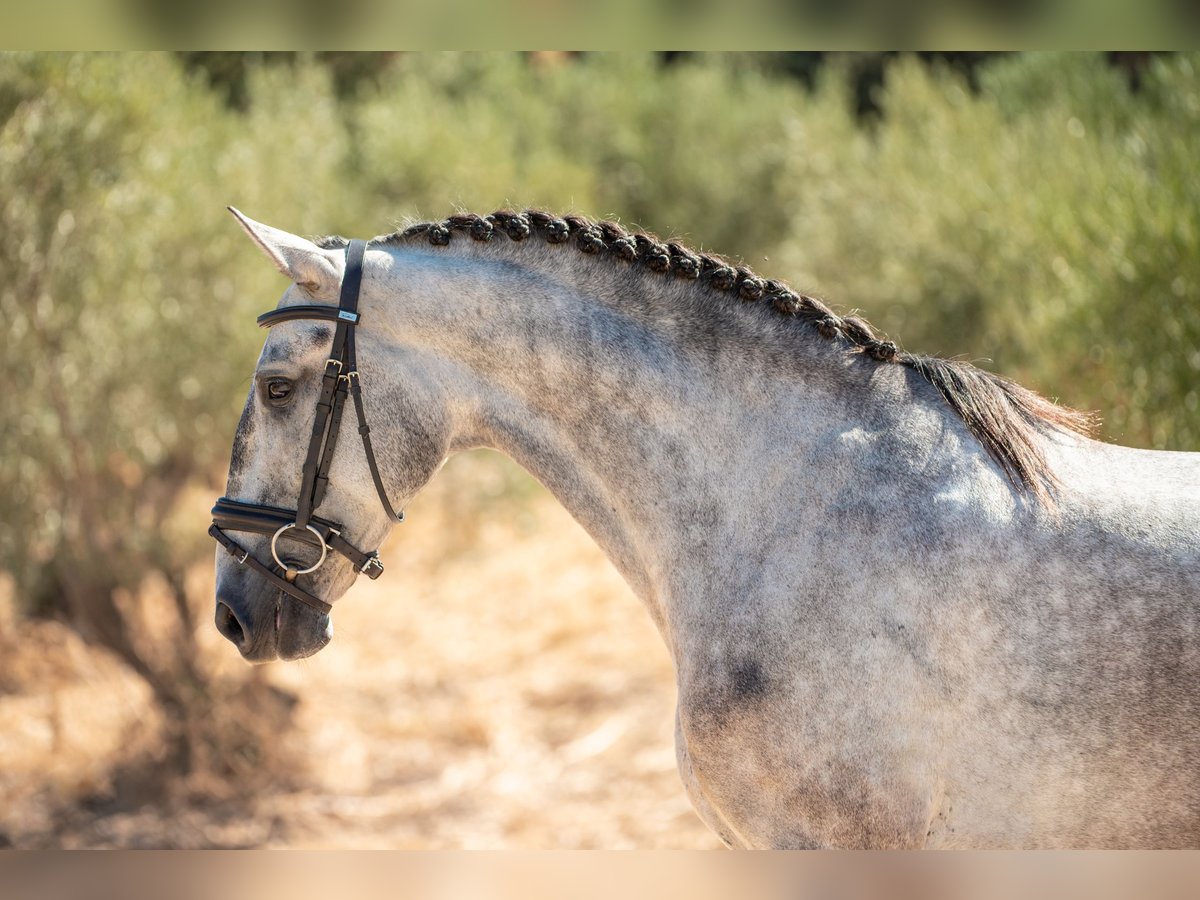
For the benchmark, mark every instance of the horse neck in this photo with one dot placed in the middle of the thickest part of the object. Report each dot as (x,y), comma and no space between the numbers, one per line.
(664,427)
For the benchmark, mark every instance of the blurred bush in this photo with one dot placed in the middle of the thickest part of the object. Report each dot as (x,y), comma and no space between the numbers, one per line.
(127,300)
(128,296)
(1047,225)
(698,150)
(1045,216)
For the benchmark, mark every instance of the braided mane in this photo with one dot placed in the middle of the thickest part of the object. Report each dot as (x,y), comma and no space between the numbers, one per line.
(1006,418)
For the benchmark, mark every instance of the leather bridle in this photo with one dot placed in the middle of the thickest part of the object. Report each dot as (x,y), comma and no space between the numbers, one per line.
(341,378)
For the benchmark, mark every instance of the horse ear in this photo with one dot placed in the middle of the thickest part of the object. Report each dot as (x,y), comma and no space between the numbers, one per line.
(300,260)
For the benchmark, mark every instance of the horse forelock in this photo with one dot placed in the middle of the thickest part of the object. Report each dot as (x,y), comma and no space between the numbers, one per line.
(1007,419)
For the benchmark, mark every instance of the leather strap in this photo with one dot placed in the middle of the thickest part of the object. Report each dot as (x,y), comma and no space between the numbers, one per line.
(262,519)
(331,439)
(308,311)
(339,364)
(364,431)
(258,519)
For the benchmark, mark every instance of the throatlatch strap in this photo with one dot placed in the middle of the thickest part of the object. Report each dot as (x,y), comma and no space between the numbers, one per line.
(364,431)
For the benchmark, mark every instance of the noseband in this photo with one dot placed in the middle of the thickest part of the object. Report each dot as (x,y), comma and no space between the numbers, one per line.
(340,378)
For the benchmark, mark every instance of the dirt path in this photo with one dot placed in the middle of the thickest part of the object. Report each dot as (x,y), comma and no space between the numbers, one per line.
(498,687)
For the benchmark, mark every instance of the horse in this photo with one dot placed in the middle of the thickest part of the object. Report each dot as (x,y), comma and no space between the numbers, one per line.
(909,603)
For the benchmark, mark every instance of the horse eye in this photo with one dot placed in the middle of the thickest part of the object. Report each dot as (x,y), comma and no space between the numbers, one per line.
(278,390)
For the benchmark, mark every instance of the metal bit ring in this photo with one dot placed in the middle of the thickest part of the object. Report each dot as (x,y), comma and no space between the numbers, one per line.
(285,566)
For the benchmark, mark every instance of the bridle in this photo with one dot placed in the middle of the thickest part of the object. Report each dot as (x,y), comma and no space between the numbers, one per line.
(340,378)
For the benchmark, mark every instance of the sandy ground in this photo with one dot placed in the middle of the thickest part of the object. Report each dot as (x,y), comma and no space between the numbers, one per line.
(499,687)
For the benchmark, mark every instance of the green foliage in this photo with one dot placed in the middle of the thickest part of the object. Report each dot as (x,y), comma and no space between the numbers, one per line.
(689,150)
(1049,224)
(126,298)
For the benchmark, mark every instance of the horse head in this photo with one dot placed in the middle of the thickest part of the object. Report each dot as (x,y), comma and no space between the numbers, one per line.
(307,488)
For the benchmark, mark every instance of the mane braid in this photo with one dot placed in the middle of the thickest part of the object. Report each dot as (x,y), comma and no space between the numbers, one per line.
(1004,417)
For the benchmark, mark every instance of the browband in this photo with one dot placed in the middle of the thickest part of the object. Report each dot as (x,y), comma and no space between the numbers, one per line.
(307,311)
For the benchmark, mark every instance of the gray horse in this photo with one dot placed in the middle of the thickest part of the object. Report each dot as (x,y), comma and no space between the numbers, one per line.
(909,603)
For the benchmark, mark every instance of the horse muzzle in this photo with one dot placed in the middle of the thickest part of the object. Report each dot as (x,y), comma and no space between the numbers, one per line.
(256,618)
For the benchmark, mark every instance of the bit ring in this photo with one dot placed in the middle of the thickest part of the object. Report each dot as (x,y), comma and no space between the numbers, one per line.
(314,566)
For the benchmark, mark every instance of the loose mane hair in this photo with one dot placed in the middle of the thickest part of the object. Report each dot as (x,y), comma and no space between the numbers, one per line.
(1006,418)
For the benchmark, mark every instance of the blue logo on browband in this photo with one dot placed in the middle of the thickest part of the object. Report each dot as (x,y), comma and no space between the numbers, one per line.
(347,315)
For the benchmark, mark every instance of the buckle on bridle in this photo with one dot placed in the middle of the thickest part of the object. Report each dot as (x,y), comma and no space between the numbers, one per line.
(373,568)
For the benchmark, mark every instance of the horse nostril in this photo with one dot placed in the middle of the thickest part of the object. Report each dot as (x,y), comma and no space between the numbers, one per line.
(228,624)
